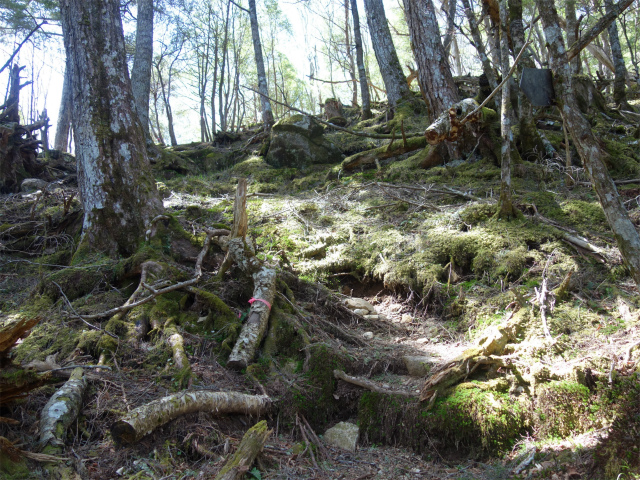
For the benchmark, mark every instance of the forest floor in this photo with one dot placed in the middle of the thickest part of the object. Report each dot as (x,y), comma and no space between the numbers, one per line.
(424,249)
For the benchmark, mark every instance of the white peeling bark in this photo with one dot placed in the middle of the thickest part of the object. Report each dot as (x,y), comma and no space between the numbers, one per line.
(61,410)
(146,418)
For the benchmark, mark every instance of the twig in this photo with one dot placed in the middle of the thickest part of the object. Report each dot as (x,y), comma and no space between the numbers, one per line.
(369,385)
(79,366)
(80,316)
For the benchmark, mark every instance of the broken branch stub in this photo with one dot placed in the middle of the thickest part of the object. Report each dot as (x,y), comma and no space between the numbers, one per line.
(251,445)
(146,418)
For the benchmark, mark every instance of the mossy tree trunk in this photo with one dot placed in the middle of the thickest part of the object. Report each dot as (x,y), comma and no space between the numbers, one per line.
(589,148)
(250,446)
(116,185)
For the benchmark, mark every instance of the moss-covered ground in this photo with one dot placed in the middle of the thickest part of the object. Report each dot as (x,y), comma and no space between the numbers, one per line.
(423,246)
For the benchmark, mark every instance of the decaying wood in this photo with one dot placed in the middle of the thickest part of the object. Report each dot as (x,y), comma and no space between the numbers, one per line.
(369,385)
(146,418)
(447,125)
(264,285)
(251,445)
(61,411)
(12,332)
(394,149)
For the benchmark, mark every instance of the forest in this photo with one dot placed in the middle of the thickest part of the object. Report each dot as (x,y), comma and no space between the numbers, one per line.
(320,240)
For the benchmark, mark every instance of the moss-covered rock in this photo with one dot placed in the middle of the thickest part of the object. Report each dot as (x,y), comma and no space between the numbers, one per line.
(298,141)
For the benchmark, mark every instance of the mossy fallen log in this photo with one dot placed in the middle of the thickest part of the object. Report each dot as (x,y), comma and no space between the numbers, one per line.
(395,148)
(146,418)
(61,411)
(251,445)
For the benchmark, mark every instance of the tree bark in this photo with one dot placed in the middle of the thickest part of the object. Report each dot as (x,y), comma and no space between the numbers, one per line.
(572,32)
(263,88)
(251,445)
(141,70)
(117,188)
(479,44)
(146,418)
(620,77)
(362,73)
(592,155)
(434,72)
(61,141)
(505,204)
(394,79)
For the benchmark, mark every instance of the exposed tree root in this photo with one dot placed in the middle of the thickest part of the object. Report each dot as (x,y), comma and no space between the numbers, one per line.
(146,418)
(369,385)
(251,445)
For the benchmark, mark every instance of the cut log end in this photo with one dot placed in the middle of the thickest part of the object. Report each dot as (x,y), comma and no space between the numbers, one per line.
(123,433)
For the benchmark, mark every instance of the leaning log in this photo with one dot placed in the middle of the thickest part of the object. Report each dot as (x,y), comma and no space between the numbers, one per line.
(250,446)
(146,418)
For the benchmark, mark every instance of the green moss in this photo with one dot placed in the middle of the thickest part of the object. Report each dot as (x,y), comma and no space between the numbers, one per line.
(468,419)
(564,408)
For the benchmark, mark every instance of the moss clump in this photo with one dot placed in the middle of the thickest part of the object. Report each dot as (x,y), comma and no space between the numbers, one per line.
(468,418)
(316,402)
(564,408)
(77,282)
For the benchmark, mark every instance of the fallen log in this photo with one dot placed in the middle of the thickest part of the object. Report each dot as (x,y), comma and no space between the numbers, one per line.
(146,418)
(394,149)
(61,411)
(251,445)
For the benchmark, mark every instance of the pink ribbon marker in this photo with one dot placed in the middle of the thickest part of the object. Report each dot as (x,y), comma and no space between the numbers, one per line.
(260,300)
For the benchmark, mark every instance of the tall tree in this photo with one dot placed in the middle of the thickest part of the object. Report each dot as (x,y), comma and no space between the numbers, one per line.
(620,74)
(434,72)
(117,188)
(394,79)
(589,147)
(479,44)
(263,86)
(61,141)
(142,60)
(362,72)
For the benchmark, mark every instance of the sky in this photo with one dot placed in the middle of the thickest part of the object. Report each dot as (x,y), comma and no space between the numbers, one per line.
(48,59)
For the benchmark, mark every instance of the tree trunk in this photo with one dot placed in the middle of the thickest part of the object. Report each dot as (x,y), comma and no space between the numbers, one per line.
(362,73)
(451,26)
(505,205)
(620,77)
(61,141)
(479,44)
(434,72)
(394,79)
(116,185)
(572,32)
(141,70)
(592,155)
(263,88)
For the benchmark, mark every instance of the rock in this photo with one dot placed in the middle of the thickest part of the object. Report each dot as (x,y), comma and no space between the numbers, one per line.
(32,184)
(318,251)
(418,366)
(359,303)
(361,311)
(372,317)
(406,318)
(298,141)
(422,341)
(367,335)
(344,435)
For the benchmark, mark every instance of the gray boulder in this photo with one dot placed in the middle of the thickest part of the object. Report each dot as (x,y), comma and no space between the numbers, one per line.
(29,185)
(344,435)
(298,141)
